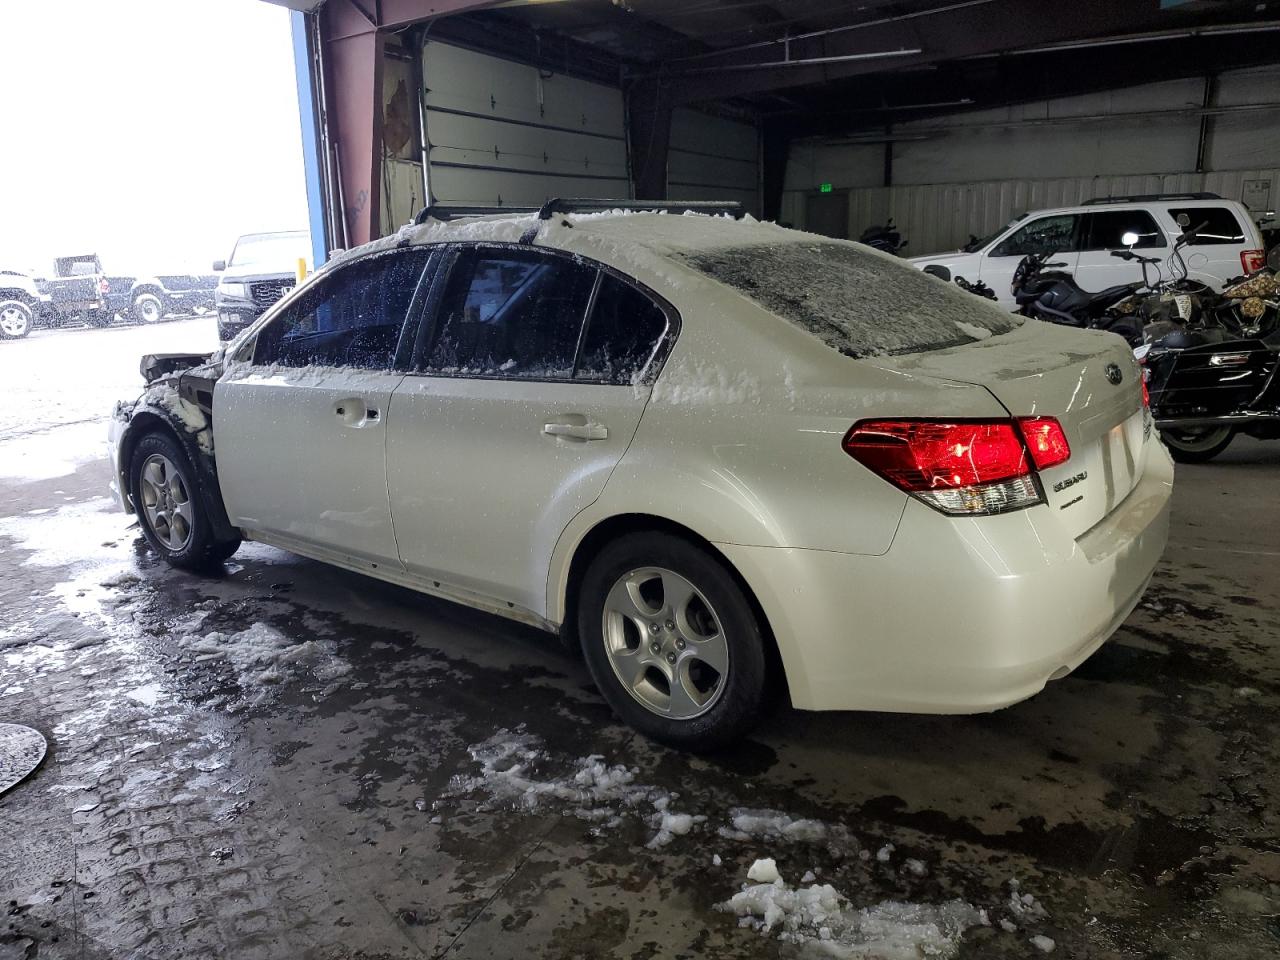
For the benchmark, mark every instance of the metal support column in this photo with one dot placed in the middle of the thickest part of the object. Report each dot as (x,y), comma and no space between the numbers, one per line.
(309,117)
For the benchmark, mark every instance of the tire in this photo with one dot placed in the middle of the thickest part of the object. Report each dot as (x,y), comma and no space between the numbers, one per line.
(1198,445)
(16,319)
(628,629)
(147,308)
(169,508)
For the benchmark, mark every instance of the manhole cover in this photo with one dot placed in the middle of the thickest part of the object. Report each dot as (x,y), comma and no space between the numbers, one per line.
(21,750)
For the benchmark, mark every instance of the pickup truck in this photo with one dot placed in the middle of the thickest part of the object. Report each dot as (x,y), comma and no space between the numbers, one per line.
(148,299)
(78,291)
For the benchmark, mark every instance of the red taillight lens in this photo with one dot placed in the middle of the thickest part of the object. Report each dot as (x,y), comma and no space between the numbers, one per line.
(916,455)
(1146,391)
(1251,260)
(961,467)
(1046,441)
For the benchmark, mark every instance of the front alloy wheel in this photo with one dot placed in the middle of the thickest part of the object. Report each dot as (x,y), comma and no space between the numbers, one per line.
(673,641)
(15,319)
(163,489)
(1196,444)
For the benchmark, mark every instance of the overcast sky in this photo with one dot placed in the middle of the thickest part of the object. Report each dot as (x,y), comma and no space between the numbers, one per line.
(152,132)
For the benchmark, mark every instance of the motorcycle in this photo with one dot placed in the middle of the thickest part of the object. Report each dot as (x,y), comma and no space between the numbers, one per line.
(1055,297)
(1210,360)
(886,238)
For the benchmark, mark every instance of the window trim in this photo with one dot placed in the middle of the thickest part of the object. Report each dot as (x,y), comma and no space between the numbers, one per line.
(430,325)
(413,313)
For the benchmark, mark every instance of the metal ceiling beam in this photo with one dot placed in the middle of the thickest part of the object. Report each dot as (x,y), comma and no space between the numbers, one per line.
(961,30)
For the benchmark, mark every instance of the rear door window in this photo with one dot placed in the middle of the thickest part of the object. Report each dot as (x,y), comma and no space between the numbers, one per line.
(1044,235)
(855,300)
(511,313)
(352,318)
(1220,225)
(624,333)
(1105,230)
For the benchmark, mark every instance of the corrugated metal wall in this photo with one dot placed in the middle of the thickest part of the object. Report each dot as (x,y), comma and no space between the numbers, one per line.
(506,133)
(713,158)
(936,217)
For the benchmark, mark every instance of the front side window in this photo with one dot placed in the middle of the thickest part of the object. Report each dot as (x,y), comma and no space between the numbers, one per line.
(1044,235)
(1217,225)
(1105,230)
(511,313)
(622,335)
(350,319)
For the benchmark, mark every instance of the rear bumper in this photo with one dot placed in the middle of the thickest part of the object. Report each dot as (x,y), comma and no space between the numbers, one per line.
(960,616)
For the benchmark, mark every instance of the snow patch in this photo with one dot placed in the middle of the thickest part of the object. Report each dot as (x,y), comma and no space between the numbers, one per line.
(1043,944)
(820,916)
(512,772)
(764,871)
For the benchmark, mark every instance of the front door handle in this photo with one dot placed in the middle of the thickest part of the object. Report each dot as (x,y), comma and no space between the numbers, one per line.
(354,412)
(577,431)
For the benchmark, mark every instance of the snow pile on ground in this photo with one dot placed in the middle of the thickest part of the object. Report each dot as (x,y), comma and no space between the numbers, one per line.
(259,654)
(819,916)
(750,824)
(511,772)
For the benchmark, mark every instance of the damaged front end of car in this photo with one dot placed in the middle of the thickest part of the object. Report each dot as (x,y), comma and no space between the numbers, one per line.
(177,401)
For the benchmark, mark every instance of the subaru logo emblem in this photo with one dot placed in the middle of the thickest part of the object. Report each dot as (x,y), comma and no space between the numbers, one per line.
(1113,372)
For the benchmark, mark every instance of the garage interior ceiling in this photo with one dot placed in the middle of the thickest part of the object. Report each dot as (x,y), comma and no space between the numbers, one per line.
(818,67)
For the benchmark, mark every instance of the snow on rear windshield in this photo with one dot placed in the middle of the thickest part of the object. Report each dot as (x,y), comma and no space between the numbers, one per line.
(860,302)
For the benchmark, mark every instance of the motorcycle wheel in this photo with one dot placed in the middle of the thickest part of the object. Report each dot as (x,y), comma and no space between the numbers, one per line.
(1197,444)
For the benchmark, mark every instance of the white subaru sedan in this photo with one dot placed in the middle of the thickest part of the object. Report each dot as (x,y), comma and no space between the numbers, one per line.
(721,457)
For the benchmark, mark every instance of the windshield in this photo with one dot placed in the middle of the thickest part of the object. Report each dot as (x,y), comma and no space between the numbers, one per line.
(281,250)
(977,244)
(855,300)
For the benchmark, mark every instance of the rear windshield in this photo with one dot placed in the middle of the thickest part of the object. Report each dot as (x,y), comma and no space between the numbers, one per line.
(859,302)
(1220,225)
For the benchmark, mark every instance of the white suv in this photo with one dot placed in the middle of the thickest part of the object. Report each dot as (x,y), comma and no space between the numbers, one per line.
(1083,238)
(717,455)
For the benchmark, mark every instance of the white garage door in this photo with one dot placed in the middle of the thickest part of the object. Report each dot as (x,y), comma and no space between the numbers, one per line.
(504,133)
(712,158)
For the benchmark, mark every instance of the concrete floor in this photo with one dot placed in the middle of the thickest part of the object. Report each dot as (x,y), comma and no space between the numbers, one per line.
(200,802)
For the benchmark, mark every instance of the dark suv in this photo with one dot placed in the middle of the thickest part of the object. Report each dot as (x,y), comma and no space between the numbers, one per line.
(262,268)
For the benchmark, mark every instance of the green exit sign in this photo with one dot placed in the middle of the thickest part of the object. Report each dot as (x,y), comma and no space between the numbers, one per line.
(824,188)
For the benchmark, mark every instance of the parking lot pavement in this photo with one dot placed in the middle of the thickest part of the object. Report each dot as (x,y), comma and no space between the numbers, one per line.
(292,761)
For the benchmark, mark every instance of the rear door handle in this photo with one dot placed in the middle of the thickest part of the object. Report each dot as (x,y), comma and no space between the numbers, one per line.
(577,431)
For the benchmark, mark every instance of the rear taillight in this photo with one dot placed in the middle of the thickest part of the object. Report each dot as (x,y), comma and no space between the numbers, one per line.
(1046,441)
(1146,390)
(1251,260)
(961,467)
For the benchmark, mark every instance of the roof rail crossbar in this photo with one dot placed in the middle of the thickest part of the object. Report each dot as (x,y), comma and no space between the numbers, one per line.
(451,211)
(1149,197)
(583,205)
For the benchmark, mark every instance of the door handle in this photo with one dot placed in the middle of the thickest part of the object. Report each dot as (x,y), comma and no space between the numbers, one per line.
(577,431)
(354,412)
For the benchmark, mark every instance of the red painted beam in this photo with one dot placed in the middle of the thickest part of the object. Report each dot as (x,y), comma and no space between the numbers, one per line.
(353,36)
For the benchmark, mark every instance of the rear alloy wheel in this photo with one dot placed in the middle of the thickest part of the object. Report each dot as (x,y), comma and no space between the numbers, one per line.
(672,641)
(162,486)
(15,319)
(147,308)
(1196,444)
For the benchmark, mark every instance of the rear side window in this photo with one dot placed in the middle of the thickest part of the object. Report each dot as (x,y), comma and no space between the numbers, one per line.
(351,319)
(511,313)
(855,300)
(1105,230)
(1044,235)
(1220,225)
(622,335)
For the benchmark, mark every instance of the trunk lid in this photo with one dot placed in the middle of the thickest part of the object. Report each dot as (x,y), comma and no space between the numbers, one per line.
(1041,369)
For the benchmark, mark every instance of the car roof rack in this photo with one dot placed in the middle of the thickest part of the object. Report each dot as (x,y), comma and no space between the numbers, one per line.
(584,205)
(453,211)
(1148,197)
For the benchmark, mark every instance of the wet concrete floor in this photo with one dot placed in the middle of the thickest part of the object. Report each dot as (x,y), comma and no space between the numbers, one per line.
(280,762)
